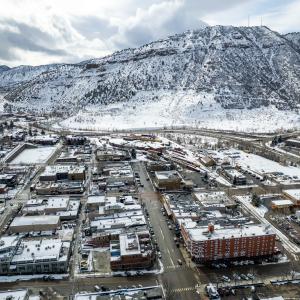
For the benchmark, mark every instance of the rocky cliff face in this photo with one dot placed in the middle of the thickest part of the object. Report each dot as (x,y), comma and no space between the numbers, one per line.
(242,67)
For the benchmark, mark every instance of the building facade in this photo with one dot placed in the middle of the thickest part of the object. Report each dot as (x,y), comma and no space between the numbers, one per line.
(210,244)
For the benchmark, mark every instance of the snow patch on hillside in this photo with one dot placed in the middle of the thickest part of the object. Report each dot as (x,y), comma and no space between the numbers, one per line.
(2,102)
(166,108)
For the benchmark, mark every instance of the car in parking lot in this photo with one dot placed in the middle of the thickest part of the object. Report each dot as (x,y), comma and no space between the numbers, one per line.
(244,277)
(97,288)
(226,278)
(236,276)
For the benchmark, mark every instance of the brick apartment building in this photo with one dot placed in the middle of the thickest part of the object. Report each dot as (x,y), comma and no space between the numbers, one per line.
(207,244)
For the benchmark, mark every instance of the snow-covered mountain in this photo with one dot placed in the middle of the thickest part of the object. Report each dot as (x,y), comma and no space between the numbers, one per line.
(239,67)
(3,68)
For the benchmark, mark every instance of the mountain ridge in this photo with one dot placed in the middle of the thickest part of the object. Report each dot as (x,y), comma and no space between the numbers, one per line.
(242,67)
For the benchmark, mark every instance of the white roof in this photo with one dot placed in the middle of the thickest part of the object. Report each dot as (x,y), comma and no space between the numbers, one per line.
(129,244)
(34,220)
(8,241)
(163,175)
(200,233)
(105,223)
(36,250)
(212,197)
(282,202)
(295,193)
(13,294)
(95,199)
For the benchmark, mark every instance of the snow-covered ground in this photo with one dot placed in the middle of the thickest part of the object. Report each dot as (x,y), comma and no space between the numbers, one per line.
(177,109)
(2,102)
(262,165)
(34,156)
(256,163)
(261,210)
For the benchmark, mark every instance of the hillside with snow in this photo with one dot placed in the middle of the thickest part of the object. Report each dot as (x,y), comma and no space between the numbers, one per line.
(207,76)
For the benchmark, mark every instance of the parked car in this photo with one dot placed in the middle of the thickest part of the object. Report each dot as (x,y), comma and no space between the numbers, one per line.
(244,277)
(225,278)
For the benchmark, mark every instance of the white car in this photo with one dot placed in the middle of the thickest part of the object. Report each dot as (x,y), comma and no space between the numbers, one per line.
(225,278)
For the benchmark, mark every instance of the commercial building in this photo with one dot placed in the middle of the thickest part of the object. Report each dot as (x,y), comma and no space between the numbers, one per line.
(131,251)
(293,142)
(63,172)
(143,293)
(235,176)
(167,180)
(209,243)
(60,206)
(20,294)
(42,256)
(118,173)
(3,188)
(112,155)
(34,223)
(43,139)
(294,195)
(8,179)
(281,204)
(58,188)
(213,201)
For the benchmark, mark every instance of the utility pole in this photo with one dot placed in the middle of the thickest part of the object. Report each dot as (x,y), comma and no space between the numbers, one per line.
(248,20)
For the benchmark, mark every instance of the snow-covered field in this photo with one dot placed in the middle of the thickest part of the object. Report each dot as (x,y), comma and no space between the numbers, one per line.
(34,156)
(177,109)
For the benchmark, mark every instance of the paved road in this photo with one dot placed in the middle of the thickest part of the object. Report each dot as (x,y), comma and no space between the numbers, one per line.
(66,287)
(179,281)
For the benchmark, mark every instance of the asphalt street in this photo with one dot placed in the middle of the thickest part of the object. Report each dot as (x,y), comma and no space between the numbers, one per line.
(179,281)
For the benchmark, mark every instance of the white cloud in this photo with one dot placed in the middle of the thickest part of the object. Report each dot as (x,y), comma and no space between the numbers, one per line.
(46,31)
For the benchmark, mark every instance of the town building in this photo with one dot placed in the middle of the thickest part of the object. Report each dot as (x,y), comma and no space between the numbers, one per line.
(235,177)
(9,179)
(20,294)
(293,142)
(210,243)
(41,256)
(63,172)
(64,207)
(118,173)
(34,223)
(167,180)
(59,188)
(131,251)
(112,155)
(281,204)
(43,139)
(213,201)
(294,195)
(3,188)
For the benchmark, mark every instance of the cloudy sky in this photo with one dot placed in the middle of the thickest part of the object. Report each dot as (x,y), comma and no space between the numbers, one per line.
(45,31)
